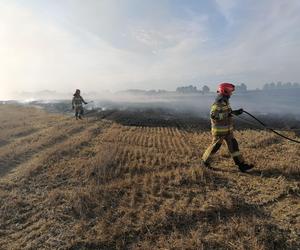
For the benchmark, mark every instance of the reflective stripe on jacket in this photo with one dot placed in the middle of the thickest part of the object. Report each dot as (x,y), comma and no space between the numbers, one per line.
(221,119)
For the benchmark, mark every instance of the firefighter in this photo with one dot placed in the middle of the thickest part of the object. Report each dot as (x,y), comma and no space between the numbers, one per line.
(77,104)
(222,128)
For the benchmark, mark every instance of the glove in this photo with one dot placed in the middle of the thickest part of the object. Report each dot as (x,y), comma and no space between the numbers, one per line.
(73,107)
(237,112)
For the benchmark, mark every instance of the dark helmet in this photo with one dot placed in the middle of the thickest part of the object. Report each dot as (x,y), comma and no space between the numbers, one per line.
(225,89)
(77,92)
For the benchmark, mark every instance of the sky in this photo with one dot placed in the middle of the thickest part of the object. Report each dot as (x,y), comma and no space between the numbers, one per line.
(98,45)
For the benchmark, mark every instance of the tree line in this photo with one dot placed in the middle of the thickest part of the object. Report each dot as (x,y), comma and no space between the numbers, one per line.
(281,85)
(205,89)
(239,88)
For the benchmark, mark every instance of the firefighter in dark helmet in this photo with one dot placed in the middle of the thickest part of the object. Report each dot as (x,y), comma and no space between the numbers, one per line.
(222,128)
(77,104)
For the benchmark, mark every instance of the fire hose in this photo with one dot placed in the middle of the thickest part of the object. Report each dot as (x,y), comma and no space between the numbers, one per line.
(270,129)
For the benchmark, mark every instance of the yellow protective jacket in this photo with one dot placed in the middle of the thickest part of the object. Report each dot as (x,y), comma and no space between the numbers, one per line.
(221,118)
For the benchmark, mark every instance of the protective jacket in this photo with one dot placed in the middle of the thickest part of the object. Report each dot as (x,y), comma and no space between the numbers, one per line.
(77,101)
(221,118)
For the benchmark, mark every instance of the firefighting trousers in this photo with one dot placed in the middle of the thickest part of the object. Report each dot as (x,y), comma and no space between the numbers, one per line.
(78,110)
(232,145)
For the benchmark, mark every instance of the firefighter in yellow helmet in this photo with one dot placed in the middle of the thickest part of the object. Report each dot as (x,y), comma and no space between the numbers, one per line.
(77,104)
(222,128)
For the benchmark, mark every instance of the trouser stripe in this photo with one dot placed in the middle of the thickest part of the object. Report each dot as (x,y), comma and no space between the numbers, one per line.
(235,154)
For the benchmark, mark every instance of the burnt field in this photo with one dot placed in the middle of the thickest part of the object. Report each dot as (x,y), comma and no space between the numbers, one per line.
(191,121)
(183,115)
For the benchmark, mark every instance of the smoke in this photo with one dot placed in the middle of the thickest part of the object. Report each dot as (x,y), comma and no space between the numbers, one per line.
(277,102)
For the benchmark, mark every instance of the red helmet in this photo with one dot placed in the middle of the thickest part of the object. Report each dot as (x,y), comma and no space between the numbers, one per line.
(225,89)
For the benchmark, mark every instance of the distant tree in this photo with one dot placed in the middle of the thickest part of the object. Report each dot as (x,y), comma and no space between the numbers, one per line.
(179,89)
(288,85)
(187,89)
(279,85)
(151,92)
(205,89)
(272,85)
(241,88)
(266,86)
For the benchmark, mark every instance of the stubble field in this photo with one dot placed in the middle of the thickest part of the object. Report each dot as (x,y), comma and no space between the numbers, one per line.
(102,184)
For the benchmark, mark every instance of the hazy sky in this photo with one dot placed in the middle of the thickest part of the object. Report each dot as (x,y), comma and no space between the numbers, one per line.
(149,44)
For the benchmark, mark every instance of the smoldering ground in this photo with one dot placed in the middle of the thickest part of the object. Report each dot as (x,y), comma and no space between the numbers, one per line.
(277,109)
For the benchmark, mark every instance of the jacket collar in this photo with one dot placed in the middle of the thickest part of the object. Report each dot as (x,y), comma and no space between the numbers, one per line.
(221,98)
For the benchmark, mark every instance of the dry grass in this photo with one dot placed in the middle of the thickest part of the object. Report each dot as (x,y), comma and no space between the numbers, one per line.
(101,185)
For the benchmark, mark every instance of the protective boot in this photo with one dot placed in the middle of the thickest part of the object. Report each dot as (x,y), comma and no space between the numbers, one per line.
(244,167)
(205,164)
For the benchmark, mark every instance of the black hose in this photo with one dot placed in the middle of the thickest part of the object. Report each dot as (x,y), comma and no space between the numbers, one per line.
(270,129)
(252,123)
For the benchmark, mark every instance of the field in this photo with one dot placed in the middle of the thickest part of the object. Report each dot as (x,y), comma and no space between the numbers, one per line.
(109,183)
